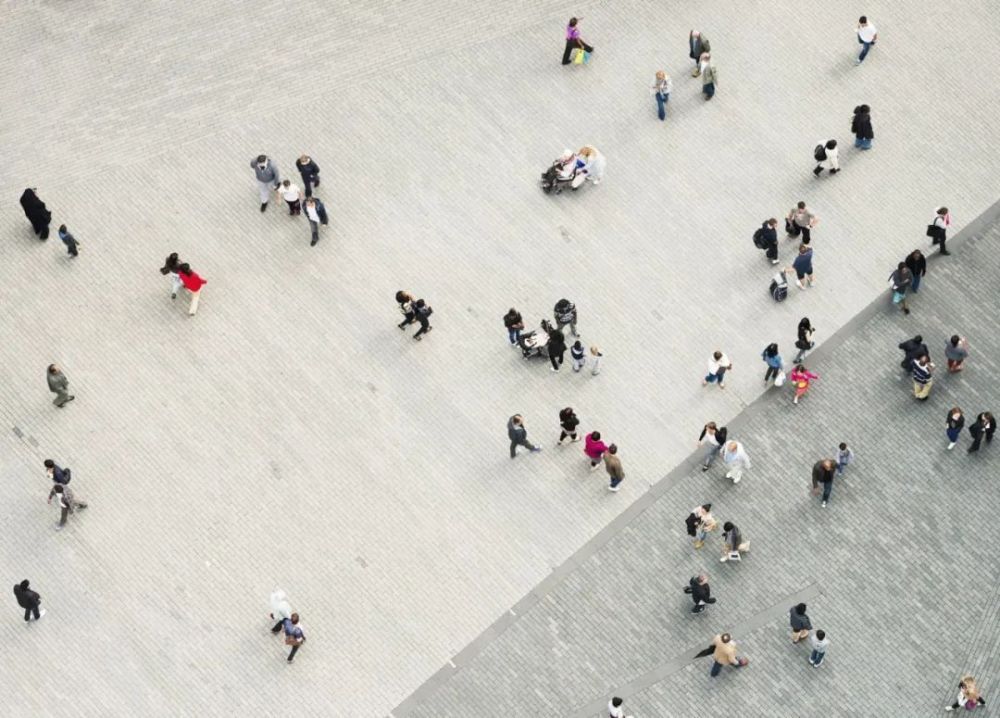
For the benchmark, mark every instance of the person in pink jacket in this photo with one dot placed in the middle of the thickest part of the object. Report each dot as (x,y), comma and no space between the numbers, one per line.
(801,377)
(594,448)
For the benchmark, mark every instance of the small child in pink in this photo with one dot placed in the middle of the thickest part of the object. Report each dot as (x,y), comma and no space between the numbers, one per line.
(801,377)
(594,448)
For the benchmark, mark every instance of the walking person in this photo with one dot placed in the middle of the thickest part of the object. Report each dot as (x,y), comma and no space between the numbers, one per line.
(801,625)
(801,378)
(565,313)
(613,465)
(281,610)
(803,266)
(28,600)
(294,635)
(937,230)
(193,282)
(292,196)
(737,459)
(594,448)
(698,45)
(594,164)
(595,358)
(861,126)
(723,652)
(662,89)
(701,592)
(422,311)
(556,348)
(568,421)
(912,348)
(923,377)
(916,262)
(55,473)
(953,426)
(983,427)
(900,281)
(766,238)
(518,435)
(867,35)
(956,350)
(170,266)
(59,385)
(818,643)
(774,363)
(709,75)
(845,457)
(574,41)
(718,365)
(268,178)
(309,172)
(804,339)
(800,220)
(968,695)
(514,323)
(406,302)
(316,214)
(699,522)
(823,473)
(732,542)
(66,501)
(72,246)
(712,438)
(828,157)
(578,355)
(36,212)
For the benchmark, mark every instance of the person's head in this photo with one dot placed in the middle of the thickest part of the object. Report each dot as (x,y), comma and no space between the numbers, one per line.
(728,526)
(595,351)
(311,201)
(942,211)
(800,367)
(294,618)
(516,419)
(512,311)
(772,350)
(820,635)
(732,446)
(864,109)
(801,205)
(568,411)
(916,254)
(613,449)
(305,159)
(831,144)
(702,578)
(53,369)
(843,446)
(58,488)
(573,21)
(919,338)
(286,183)
(716,355)
(923,359)
(710,426)
(800,609)
(706,507)
(402,296)
(956,411)
(616,701)
(804,322)
(184,268)
(695,33)
(262,161)
(725,638)
(901,266)
(566,155)
(863,20)
(705,57)
(420,304)
(804,247)
(578,345)
(596,436)
(772,222)
(62,228)
(50,464)
(955,339)
(661,75)
(24,585)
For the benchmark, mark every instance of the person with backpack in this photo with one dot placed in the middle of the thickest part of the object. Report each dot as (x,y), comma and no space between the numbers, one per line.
(861,126)
(422,310)
(766,238)
(565,313)
(900,280)
(514,323)
(826,155)
(774,363)
(56,474)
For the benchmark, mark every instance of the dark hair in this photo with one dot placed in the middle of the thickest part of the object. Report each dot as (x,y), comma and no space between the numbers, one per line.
(711,425)
(801,609)
(50,464)
(613,449)
(863,19)
(24,584)
(843,445)
(596,435)
(707,507)
(400,296)
(771,350)
(801,205)
(942,210)
(830,144)
(901,265)
(58,488)
(572,22)
(804,322)
(62,227)
(918,338)
(772,221)
(955,339)
(261,159)
(616,701)
(862,108)
(52,368)
(716,355)
(728,526)
(821,634)
(185,268)
(420,303)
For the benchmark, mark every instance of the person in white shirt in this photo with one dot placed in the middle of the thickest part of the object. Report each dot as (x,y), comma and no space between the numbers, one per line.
(736,459)
(718,365)
(818,642)
(941,222)
(662,89)
(292,196)
(830,161)
(615,709)
(867,35)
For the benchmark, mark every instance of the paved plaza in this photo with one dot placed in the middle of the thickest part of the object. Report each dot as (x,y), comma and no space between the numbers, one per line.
(289,435)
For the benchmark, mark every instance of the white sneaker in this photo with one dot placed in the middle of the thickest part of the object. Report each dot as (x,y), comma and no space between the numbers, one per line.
(613,488)
(724,559)
(824,504)
(736,479)
(729,475)
(41,613)
(951,446)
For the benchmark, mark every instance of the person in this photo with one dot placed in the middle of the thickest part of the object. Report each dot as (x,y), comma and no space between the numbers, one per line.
(699,522)
(712,438)
(574,41)
(170,265)
(565,313)
(578,355)
(773,360)
(912,348)
(718,365)
(514,323)
(662,89)
(294,635)
(923,378)
(698,45)
(766,238)
(59,385)
(804,339)
(66,501)
(983,427)
(861,126)
(192,282)
(591,163)
(309,172)
(518,435)
(406,301)
(615,709)
(28,600)
(613,465)
(292,196)
(723,650)
(700,592)
(594,448)
(737,459)
(823,473)
(845,456)
(953,426)
(268,178)
(281,610)
(72,246)
(422,311)
(916,262)
(709,75)
(803,266)
(595,358)
(818,642)
(36,212)
(801,625)
(900,280)
(316,214)
(968,695)
(956,350)
(800,220)
(556,348)
(801,377)
(827,156)
(867,35)
(568,422)
(56,474)
(938,229)
(732,541)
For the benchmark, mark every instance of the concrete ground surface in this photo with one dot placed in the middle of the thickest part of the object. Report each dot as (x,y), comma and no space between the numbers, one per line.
(290,435)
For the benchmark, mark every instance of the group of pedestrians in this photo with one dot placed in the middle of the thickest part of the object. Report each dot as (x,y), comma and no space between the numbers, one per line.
(287,621)
(414,310)
(269,180)
(594,447)
(553,341)
(40,217)
(183,277)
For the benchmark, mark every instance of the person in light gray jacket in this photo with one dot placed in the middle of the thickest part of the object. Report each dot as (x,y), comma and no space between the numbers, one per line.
(518,435)
(268,178)
(280,610)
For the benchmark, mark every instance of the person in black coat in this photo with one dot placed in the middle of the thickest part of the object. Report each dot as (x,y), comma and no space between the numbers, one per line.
(309,171)
(36,212)
(916,262)
(556,348)
(861,126)
(984,426)
(514,323)
(700,592)
(568,421)
(803,339)
(769,239)
(912,348)
(28,600)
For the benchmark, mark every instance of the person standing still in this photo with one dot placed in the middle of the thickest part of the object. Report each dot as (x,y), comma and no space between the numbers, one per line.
(59,385)
(800,220)
(170,265)
(823,473)
(268,178)
(867,35)
(66,501)
(72,246)
(718,365)
(828,157)
(861,126)
(613,465)
(294,635)
(899,281)
(801,625)
(578,355)
(923,377)
(662,89)
(565,313)
(36,212)
(28,600)
(193,283)
(309,172)
(956,350)
(983,427)
(316,214)
(709,76)
(937,230)
(594,448)
(818,643)
(518,435)
(573,40)
(698,45)
(768,239)
(953,426)
(514,323)
(292,196)
(422,310)
(595,358)
(803,266)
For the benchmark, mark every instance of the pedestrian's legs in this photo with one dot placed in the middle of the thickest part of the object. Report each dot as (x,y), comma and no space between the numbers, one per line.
(709,90)
(772,252)
(772,371)
(314,226)
(915,283)
(710,378)
(276,628)
(307,183)
(554,358)
(661,105)
(295,649)
(721,374)
(408,318)
(175,284)
(195,298)
(570,44)
(513,448)
(425,326)
(63,513)
(29,612)
(709,457)
(513,335)
(941,244)
(806,238)
(817,657)
(976,441)
(614,483)
(716,667)
(264,190)
(922,391)
(866,46)
(827,488)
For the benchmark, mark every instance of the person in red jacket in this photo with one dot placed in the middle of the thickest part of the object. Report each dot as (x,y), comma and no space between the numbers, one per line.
(193,283)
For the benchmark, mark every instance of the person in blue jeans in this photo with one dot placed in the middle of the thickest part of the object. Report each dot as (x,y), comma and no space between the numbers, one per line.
(867,35)
(916,262)
(662,90)
(844,457)
(773,360)
(818,642)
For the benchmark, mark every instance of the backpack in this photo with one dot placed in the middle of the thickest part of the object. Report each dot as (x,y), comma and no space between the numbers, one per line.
(819,153)
(691,524)
(758,238)
(779,290)
(67,474)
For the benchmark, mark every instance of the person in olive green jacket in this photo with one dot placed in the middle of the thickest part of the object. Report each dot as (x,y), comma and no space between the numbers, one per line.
(614,467)
(709,76)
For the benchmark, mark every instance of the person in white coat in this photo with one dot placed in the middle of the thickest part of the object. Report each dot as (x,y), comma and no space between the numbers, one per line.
(280,610)
(593,163)
(830,159)
(736,459)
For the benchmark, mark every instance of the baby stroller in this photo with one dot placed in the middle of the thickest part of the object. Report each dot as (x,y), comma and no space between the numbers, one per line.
(779,287)
(555,179)
(535,342)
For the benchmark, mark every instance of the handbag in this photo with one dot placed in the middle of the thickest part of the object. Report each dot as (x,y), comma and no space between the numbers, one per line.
(934,232)
(779,380)
(579,59)
(586,57)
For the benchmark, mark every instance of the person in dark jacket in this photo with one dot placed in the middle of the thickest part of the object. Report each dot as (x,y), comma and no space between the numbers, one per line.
(698,44)
(823,473)
(769,239)
(518,435)
(732,541)
(983,427)
(514,323)
(565,313)
(801,625)
(56,474)
(916,262)
(309,171)
(912,348)
(803,339)
(700,592)
(36,212)
(861,126)
(72,246)
(28,600)
(568,421)
(406,301)
(803,266)
(556,348)
(953,426)
(900,281)
(316,214)
(422,310)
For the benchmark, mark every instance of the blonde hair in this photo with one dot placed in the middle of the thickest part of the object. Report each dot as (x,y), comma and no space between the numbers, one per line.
(586,151)
(661,75)
(969,684)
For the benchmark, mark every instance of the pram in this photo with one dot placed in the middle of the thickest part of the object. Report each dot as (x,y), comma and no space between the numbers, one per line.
(535,343)
(555,181)
(779,287)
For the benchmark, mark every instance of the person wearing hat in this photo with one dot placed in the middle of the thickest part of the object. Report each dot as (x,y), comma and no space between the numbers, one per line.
(268,178)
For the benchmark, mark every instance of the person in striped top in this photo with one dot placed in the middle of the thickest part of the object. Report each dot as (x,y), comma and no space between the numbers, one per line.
(923,379)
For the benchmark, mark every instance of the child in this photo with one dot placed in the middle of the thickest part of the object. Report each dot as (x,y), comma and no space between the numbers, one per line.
(596,354)
(70,241)
(577,354)
(801,377)
(844,457)
(291,194)
(818,643)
